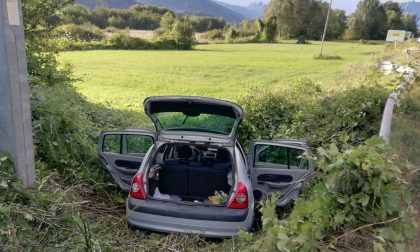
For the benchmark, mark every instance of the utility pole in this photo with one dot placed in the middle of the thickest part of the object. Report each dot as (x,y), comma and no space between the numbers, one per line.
(325,30)
(15,111)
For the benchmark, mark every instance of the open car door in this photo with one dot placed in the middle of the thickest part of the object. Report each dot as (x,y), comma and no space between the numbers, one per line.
(122,152)
(279,167)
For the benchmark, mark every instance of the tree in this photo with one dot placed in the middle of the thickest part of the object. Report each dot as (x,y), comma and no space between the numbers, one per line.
(183,33)
(304,18)
(394,13)
(338,24)
(270,30)
(410,23)
(291,16)
(368,22)
(75,14)
(167,22)
(40,50)
(99,17)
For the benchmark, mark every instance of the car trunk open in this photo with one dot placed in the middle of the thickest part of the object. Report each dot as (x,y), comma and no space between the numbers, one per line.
(194,118)
(191,174)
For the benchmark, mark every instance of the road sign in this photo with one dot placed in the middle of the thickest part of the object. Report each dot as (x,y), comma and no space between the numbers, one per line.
(15,112)
(395,36)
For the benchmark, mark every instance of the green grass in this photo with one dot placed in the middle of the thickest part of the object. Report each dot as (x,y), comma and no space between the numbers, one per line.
(122,79)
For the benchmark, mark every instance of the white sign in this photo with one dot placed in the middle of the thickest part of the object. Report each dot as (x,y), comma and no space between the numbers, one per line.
(395,36)
(13,12)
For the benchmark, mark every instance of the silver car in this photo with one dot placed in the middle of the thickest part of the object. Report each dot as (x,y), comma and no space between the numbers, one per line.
(192,175)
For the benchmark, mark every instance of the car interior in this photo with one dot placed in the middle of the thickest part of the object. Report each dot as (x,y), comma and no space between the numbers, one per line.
(192,173)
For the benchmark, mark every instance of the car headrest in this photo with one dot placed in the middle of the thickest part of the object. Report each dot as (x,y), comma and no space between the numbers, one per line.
(184,152)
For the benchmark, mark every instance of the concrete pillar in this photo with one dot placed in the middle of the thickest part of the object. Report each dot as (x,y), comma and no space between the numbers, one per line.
(15,112)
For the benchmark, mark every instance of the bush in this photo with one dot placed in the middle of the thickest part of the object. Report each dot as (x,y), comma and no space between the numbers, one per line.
(214,35)
(80,32)
(75,14)
(360,199)
(202,24)
(178,31)
(306,111)
(124,41)
(231,33)
(183,34)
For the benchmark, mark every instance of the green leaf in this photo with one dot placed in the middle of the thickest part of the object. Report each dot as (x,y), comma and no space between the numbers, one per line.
(2,159)
(28,216)
(4,184)
(377,247)
(342,200)
(364,199)
(339,218)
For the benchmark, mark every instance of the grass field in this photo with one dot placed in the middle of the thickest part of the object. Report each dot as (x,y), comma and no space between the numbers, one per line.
(122,79)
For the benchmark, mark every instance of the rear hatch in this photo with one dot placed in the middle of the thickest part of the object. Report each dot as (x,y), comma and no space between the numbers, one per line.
(195,119)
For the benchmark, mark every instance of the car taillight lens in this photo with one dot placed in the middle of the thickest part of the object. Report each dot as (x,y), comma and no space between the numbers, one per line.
(240,199)
(137,187)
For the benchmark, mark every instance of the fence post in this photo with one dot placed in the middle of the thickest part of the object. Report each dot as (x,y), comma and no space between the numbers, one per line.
(387,117)
(15,112)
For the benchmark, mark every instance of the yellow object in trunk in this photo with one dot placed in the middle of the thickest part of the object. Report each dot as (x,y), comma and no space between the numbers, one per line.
(215,200)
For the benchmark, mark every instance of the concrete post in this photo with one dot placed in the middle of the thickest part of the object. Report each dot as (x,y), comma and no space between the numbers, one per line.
(385,130)
(15,112)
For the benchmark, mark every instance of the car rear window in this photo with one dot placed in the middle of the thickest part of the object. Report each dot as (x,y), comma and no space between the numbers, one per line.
(202,122)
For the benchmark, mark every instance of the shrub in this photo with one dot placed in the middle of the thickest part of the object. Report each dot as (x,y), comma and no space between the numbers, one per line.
(117,21)
(75,14)
(183,34)
(80,32)
(360,199)
(99,17)
(124,41)
(180,31)
(306,111)
(231,33)
(214,35)
(202,24)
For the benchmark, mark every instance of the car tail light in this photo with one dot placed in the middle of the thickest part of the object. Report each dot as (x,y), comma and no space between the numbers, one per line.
(240,199)
(137,187)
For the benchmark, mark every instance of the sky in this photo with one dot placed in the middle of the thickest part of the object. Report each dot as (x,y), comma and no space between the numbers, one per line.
(348,5)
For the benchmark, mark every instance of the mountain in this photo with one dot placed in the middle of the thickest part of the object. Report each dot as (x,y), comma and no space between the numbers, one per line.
(252,11)
(412,8)
(196,7)
(119,4)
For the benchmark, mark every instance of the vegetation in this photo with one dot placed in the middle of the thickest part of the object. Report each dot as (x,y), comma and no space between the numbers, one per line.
(358,199)
(138,17)
(296,18)
(120,79)
(404,140)
(372,20)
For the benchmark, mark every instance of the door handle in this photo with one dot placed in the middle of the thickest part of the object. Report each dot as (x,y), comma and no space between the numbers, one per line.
(261,182)
(280,185)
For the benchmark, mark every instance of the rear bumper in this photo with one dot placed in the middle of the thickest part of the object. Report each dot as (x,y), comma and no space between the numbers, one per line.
(170,217)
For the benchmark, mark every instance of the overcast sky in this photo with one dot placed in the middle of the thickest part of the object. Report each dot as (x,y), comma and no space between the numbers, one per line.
(348,5)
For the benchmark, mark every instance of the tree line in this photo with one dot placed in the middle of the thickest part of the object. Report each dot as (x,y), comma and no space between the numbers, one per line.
(139,17)
(306,18)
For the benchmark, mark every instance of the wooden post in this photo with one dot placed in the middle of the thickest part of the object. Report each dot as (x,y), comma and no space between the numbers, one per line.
(15,112)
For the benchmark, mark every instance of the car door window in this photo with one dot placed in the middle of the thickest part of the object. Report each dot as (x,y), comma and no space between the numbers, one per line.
(122,153)
(137,144)
(280,167)
(112,144)
(279,157)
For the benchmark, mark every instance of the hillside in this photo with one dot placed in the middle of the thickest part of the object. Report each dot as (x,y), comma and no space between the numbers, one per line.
(412,8)
(254,10)
(196,7)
